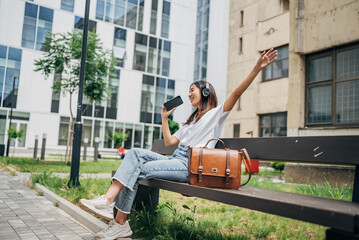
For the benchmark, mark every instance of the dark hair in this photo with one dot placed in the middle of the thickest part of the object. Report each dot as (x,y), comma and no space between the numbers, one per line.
(207,103)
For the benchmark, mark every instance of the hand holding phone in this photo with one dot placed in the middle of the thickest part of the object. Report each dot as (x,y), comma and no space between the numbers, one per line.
(174,102)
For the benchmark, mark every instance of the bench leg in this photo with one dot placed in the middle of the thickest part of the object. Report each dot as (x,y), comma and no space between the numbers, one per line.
(333,234)
(146,195)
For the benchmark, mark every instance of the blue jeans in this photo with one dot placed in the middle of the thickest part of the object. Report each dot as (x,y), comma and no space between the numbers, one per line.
(144,164)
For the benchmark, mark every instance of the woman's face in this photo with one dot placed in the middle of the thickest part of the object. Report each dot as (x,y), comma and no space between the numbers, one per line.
(195,95)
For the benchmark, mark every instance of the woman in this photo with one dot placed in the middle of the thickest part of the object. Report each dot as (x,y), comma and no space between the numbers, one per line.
(206,122)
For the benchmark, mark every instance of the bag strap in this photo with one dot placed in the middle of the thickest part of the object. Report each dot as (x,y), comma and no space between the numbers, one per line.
(212,139)
(249,168)
(200,165)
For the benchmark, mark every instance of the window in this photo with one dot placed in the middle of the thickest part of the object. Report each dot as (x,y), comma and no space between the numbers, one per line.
(79,24)
(240,46)
(68,5)
(279,68)
(154,92)
(127,13)
(63,130)
(236,130)
(241,19)
(10,63)
(332,85)
(153,23)
(119,46)
(201,48)
(166,10)
(139,60)
(273,124)
(37,23)
(158,57)
(114,82)
(55,101)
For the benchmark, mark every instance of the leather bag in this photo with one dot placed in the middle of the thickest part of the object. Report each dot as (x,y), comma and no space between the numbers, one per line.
(218,168)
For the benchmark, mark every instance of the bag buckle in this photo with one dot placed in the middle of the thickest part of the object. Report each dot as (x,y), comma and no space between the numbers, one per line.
(200,168)
(228,171)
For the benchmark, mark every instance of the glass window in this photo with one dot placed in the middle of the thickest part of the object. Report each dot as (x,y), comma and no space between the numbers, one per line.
(139,60)
(128,131)
(131,14)
(274,124)
(279,68)
(152,56)
(166,58)
(108,135)
(86,131)
(160,98)
(147,99)
(148,137)
(100,9)
(68,5)
(63,130)
(36,20)
(79,24)
(119,49)
(140,15)
(120,12)
(165,19)
(201,47)
(114,82)
(138,136)
(10,64)
(153,22)
(236,130)
(2,126)
(333,87)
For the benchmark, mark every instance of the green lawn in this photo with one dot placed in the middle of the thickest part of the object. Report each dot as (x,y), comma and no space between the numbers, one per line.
(37,166)
(180,217)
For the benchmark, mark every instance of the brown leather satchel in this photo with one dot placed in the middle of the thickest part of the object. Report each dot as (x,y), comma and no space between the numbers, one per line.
(219,168)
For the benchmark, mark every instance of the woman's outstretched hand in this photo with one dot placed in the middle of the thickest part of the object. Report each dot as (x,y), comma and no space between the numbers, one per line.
(165,113)
(266,58)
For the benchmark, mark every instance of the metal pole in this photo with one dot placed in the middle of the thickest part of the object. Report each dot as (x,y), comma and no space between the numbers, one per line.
(86,140)
(76,146)
(12,102)
(43,147)
(97,140)
(36,146)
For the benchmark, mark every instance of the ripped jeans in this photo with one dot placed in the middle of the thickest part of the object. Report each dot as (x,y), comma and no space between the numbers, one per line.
(144,164)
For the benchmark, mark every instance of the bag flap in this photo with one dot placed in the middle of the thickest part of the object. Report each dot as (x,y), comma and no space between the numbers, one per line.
(214,162)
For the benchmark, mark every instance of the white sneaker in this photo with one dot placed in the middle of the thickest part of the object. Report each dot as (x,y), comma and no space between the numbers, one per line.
(114,230)
(98,206)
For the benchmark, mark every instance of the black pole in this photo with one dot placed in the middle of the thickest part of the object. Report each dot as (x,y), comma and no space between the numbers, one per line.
(12,102)
(76,145)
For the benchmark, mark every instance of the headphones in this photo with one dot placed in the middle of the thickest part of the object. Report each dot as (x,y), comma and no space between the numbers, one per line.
(205,91)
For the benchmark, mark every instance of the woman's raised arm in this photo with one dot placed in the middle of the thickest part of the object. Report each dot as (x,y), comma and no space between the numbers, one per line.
(167,136)
(264,60)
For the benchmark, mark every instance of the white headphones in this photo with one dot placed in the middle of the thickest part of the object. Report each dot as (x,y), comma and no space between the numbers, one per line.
(205,91)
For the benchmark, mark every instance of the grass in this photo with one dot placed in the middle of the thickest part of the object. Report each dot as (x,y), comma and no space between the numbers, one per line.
(37,166)
(180,217)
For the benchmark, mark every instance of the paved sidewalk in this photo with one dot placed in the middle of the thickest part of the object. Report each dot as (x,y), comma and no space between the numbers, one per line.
(25,215)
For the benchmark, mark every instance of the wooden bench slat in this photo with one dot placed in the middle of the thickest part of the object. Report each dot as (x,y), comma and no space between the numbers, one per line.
(341,215)
(327,149)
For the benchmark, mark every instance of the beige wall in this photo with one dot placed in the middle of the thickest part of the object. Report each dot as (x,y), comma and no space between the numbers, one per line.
(265,26)
(316,25)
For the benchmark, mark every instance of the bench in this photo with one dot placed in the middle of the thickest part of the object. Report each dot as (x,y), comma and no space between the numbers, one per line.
(342,217)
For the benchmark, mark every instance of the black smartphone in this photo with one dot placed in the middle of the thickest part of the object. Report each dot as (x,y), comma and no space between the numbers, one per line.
(174,102)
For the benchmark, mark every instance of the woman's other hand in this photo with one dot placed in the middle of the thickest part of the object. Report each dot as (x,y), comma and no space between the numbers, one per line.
(165,113)
(266,58)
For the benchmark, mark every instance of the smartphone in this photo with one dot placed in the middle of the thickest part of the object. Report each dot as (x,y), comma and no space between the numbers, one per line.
(174,102)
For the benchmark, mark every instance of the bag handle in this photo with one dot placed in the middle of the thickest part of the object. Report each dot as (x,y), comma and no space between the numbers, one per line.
(212,139)
(249,168)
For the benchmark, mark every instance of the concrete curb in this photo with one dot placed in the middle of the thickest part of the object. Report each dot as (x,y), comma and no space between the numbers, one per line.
(77,213)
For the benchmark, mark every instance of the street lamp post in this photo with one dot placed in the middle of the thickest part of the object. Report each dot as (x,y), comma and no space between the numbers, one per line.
(76,149)
(12,102)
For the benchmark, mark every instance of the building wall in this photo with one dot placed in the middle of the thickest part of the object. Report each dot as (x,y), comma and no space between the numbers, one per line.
(316,26)
(35,93)
(265,26)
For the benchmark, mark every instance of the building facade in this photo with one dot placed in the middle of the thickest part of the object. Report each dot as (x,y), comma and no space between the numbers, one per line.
(312,89)
(155,44)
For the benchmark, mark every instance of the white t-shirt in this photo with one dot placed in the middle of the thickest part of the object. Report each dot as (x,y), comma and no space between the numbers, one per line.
(209,126)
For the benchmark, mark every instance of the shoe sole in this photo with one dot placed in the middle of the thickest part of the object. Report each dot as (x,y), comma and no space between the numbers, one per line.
(93,210)
(117,238)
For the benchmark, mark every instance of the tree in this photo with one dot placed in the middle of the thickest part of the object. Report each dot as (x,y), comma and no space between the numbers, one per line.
(118,138)
(278,165)
(62,56)
(13,133)
(174,126)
